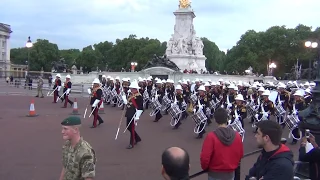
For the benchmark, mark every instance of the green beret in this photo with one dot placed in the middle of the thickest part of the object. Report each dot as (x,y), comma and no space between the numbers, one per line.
(71,121)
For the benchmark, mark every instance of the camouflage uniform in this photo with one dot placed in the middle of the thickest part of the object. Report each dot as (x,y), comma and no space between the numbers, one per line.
(79,162)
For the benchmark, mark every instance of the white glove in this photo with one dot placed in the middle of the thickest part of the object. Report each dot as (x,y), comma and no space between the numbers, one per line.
(124,98)
(294,112)
(256,116)
(95,103)
(129,91)
(229,122)
(265,114)
(59,87)
(68,91)
(89,91)
(200,107)
(138,114)
(222,106)
(194,111)
(229,105)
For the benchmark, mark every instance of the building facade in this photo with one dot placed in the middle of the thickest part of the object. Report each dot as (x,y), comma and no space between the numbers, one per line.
(5,32)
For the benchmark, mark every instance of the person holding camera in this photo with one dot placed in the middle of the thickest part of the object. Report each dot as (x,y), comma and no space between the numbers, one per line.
(312,156)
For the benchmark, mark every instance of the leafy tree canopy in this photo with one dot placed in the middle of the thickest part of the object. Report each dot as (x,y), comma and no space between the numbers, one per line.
(256,49)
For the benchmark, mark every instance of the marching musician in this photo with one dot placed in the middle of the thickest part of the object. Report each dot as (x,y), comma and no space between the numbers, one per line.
(241,109)
(180,100)
(96,101)
(209,98)
(197,85)
(243,90)
(141,85)
(230,96)
(266,108)
(149,89)
(297,105)
(117,86)
(284,97)
(308,96)
(104,80)
(160,89)
(134,110)
(56,87)
(66,92)
(203,103)
(111,86)
(108,81)
(186,91)
(258,98)
(169,89)
(125,89)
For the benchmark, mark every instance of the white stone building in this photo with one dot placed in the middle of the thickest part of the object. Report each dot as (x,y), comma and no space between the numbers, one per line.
(5,31)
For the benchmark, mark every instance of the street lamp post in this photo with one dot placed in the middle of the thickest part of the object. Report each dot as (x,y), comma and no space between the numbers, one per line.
(312,45)
(271,67)
(311,115)
(28,45)
(133,66)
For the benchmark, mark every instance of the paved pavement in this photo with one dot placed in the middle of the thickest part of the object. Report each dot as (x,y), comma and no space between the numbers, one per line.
(78,90)
(31,146)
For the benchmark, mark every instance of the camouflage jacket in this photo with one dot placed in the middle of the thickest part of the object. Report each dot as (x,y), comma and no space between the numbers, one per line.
(79,162)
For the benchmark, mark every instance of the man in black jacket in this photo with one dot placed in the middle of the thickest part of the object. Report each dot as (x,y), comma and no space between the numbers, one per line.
(276,159)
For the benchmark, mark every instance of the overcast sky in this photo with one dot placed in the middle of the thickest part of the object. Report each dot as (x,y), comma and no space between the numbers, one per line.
(78,23)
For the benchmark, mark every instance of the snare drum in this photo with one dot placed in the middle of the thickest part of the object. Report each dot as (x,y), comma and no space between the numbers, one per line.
(213,104)
(175,114)
(165,103)
(236,126)
(155,106)
(174,110)
(199,117)
(279,111)
(292,122)
(193,98)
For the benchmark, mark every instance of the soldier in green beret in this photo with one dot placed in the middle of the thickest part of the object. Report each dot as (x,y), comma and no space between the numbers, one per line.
(78,157)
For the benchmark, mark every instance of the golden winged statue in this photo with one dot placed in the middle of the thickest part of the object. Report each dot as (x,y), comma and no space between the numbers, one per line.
(184,3)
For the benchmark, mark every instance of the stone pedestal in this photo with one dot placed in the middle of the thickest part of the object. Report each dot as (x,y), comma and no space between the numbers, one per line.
(184,48)
(189,62)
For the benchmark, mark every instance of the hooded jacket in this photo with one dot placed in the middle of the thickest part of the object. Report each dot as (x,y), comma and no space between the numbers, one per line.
(275,165)
(222,150)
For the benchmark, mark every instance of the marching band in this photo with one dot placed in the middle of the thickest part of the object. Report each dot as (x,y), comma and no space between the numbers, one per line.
(256,101)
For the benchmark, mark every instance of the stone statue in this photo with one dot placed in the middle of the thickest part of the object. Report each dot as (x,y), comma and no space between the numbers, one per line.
(163,61)
(169,47)
(198,47)
(59,66)
(184,4)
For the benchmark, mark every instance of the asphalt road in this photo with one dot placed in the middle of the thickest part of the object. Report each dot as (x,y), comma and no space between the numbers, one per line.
(31,146)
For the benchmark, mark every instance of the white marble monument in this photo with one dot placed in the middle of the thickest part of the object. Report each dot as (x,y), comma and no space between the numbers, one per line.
(184,48)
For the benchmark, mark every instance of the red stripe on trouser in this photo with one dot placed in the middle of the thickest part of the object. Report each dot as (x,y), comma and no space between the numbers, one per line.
(133,132)
(66,99)
(54,96)
(95,117)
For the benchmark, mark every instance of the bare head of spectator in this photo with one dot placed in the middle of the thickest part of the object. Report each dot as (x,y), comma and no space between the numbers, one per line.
(175,164)
(268,135)
(221,116)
